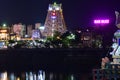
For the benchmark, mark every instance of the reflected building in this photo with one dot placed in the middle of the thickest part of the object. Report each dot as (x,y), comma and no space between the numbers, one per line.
(12,76)
(41,75)
(23,76)
(3,76)
(34,76)
(30,76)
(26,76)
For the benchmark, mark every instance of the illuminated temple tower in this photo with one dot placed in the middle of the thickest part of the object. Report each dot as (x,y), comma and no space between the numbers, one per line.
(54,20)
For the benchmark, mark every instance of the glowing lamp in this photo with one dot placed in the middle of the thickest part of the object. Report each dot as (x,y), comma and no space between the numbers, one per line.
(57,8)
(53,14)
(3,31)
(4,25)
(50,9)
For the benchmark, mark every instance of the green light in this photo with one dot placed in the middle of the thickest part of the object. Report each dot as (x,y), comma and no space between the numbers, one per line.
(55,3)
(71,36)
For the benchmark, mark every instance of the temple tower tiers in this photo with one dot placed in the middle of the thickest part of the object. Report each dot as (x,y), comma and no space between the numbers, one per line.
(54,20)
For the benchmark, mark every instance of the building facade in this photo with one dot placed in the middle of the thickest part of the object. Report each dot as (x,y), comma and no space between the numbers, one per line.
(29,31)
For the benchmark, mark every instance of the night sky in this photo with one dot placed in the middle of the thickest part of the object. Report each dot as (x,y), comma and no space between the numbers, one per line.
(77,13)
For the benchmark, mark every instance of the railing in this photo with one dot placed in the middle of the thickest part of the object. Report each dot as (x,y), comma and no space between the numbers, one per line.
(111,73)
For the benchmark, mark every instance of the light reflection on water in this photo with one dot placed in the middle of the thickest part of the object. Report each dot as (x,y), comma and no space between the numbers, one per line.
(40,75)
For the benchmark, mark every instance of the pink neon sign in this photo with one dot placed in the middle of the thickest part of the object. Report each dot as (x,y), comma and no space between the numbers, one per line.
(106,21)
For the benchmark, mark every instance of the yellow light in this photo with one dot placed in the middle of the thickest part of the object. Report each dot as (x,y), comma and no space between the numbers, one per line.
(4,76)
(3,31)
(18,78)
(58,37)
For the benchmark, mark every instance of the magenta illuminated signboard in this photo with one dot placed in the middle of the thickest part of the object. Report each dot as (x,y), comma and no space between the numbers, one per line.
(106,21)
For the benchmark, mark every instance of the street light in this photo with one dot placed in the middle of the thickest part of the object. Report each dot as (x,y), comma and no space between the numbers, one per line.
(4,25)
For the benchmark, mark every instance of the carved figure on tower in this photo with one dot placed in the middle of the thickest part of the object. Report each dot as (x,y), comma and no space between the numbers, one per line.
(116,43)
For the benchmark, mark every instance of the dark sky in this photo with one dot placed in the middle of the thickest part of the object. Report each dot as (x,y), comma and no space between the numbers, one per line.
(77,13)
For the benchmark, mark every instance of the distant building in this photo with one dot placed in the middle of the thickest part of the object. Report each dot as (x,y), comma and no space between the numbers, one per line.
(4,33)
(37,25)
(87,38)
(36,34)
(19,30)
(91,39)
(29,30)
(42,30)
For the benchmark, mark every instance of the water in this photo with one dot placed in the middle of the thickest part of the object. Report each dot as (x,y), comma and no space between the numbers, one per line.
(41,75)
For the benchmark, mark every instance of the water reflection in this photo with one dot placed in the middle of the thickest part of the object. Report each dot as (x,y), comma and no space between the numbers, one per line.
(40,75)
(33,75)
(3,76)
